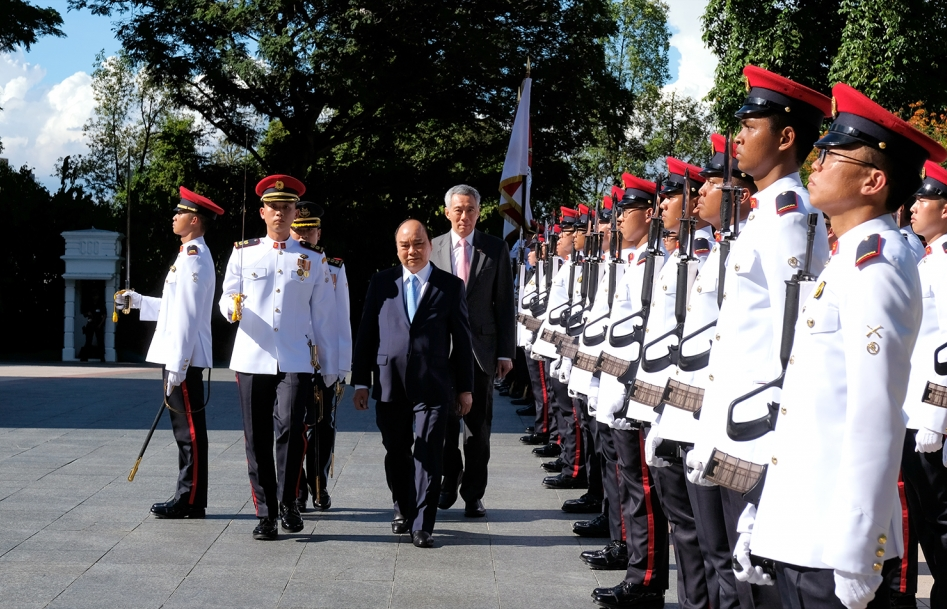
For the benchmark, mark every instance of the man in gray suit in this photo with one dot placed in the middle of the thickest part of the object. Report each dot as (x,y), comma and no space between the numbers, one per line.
(483,263)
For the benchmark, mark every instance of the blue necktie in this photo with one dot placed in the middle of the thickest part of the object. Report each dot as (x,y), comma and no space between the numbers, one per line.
(411,296)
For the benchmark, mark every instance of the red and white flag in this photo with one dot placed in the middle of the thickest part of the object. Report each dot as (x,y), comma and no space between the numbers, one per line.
(517,173)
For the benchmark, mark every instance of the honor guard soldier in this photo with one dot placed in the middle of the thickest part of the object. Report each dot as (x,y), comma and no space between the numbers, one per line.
(182,343)
(320,419)
(925,408)
(281,291)
(829,515)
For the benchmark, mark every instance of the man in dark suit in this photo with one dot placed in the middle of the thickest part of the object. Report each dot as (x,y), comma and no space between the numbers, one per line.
(483,263)
(414,340)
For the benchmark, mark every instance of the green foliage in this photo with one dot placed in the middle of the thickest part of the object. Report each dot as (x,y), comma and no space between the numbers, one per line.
(894,51)
(22,24)
(637,52)
(794,38)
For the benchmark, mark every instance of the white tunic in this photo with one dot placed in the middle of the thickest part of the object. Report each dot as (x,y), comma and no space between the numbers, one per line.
(770,250)
(343,327)
(182,337)
(932,270)
(558,296)
(830,499)
(283,310)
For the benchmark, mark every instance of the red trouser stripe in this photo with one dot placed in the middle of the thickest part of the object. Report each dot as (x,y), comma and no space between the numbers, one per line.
(646,484)
(542,381)
(903,587)
(621,512)
(190,426)
(578,441)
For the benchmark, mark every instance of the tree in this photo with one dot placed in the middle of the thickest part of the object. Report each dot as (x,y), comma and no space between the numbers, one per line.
(794,38)
(23,24)
(895,51)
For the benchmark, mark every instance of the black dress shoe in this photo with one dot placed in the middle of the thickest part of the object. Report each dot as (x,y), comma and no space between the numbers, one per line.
(266,530)
(290,518)
(400,526)
(323,502)
(586,504)
(422,539)
(448,496)
(535,438)
(301,504)
(176,510)
(475,509)
(553,467)
(597,527)
(549,450)
(527,401)
(504,391)
(563,481)
(614,557)
(530,429)
(628,596)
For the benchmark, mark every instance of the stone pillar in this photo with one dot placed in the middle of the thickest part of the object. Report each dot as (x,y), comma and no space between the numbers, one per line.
(110,290)
(69,324)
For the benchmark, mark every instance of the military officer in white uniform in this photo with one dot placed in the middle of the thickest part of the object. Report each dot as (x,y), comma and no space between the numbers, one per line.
(182,343)
(829,514)
(286,327)
(925,408)
(320,418)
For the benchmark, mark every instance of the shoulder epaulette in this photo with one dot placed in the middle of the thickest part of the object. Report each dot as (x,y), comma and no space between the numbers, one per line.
(869,248)
(336,262)
(644,256)
(786,202)
(247,243)
(701,246)
(192,250)
(310,246)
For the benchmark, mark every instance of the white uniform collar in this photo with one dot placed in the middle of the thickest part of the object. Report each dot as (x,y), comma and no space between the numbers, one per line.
(937,246)
(781,185)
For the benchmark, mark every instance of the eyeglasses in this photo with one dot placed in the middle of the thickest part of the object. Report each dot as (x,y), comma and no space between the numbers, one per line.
(824,152)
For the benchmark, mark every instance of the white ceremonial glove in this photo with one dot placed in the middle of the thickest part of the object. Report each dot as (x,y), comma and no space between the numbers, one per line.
(593,388)
(554,367)
(695,469)
(749,574)
(535,356)
(330,379)
(652,441)
(592,405)
(226,308)
(621,424)
(854,589)
(565,371)
(174,379)
(133,296)
(927,441)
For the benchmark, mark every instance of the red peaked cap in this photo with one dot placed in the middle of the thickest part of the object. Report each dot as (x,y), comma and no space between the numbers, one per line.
(569,217)
(935,181)
(280,187)
(605,215)
(617,193)
(675,181)
(770,93)
(638,192)
(195,203)
(606,202)
(862,121)
(556,229)
(584,214)
(714,168)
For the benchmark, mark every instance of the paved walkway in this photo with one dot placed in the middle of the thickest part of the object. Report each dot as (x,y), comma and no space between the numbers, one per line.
(75,533)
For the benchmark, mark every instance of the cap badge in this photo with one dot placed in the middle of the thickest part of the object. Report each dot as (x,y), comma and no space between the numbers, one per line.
(278,185)
(882,145)
(834,108)
(746,83)
(923,172)
(304,212)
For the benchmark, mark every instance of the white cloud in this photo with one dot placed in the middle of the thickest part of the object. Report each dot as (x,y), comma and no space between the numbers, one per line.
(40,123)
(695,71)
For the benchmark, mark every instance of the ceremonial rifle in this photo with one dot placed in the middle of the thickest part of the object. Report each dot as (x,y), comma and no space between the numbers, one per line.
(636,336)
(729,193)
(589,275)
(751,430)
(686,271)
(560,315)
(614,252)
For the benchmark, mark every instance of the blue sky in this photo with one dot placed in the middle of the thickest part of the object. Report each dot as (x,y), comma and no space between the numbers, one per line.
(46,94)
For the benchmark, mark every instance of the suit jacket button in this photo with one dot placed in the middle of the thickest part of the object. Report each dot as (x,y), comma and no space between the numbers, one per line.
(277,290)
(276,329)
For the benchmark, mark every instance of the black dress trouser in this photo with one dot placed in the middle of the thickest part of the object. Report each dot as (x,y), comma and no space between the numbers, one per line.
(189,426)
(274,403)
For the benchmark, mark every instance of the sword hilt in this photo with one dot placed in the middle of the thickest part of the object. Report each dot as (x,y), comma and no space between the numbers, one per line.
(237,313)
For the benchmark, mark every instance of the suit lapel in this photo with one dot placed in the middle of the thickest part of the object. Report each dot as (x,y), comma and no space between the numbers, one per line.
(476,263)
(427,297)
(399,284)
(441,254)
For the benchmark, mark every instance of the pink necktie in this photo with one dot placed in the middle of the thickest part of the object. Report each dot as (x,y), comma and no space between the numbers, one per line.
(464,261)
